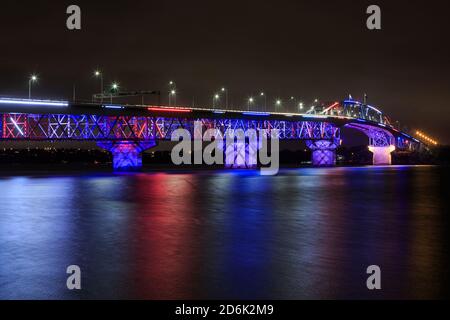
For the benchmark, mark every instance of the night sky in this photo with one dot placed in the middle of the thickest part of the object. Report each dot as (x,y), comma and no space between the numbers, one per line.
(307,49)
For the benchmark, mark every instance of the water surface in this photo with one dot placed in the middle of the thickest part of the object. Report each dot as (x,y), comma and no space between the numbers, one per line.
(304,234)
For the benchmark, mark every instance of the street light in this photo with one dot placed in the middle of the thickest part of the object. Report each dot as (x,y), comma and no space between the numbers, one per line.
(33,78)
(278,103)
(114,89)
(293,102)
(262,94)
(250,101)
(300,106)
(173,93)
(99,74)
(224,90)
(216,97)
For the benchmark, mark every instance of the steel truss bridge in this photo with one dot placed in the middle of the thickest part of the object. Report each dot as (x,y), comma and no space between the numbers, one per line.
(128,130)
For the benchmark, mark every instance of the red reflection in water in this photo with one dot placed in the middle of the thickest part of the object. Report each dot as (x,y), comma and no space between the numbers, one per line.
(163,233)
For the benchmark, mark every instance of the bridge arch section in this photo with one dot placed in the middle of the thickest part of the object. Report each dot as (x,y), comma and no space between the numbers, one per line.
(381,142)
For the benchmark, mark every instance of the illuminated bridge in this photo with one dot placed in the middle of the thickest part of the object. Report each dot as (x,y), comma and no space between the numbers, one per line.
(128,130)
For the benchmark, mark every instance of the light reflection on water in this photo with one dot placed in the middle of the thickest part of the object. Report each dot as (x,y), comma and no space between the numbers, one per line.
(306,233)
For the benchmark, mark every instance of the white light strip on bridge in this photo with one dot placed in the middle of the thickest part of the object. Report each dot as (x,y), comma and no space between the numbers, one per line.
(113,107)
(314,116)
(34,102)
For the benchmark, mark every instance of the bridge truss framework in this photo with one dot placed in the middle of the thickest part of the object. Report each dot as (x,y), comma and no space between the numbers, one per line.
(127,136)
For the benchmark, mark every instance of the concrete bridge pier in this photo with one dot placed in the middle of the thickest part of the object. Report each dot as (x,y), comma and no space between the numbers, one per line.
(127,155)
(323,152)
(382,155)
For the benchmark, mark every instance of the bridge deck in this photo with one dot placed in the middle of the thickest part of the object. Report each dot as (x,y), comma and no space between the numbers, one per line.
(45,111)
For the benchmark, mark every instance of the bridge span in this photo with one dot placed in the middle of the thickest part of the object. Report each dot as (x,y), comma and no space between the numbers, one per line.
(128,130)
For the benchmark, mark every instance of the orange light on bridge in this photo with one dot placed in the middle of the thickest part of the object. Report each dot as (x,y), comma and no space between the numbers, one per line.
(426,138)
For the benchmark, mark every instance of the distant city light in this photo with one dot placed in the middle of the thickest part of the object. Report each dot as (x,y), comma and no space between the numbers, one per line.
(426,138)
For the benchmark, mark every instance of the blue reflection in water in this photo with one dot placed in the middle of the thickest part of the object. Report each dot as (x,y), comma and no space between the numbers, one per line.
(306,233)
(34,235)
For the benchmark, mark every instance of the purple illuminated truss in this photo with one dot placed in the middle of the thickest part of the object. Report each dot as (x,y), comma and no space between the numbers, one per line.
(127,136)
(119,128)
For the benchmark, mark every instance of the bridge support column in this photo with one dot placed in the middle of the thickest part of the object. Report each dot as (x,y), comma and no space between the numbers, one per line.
(127,155)
(382,155)
(323,152)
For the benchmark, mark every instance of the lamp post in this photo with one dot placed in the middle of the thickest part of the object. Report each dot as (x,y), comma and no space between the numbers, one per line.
(263,95)
(224,90)
(32,79)
(172,93)
(99,74)
(216,97)
(293,102)
(250,101)
(300,106)
(114,89)
(277,103)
